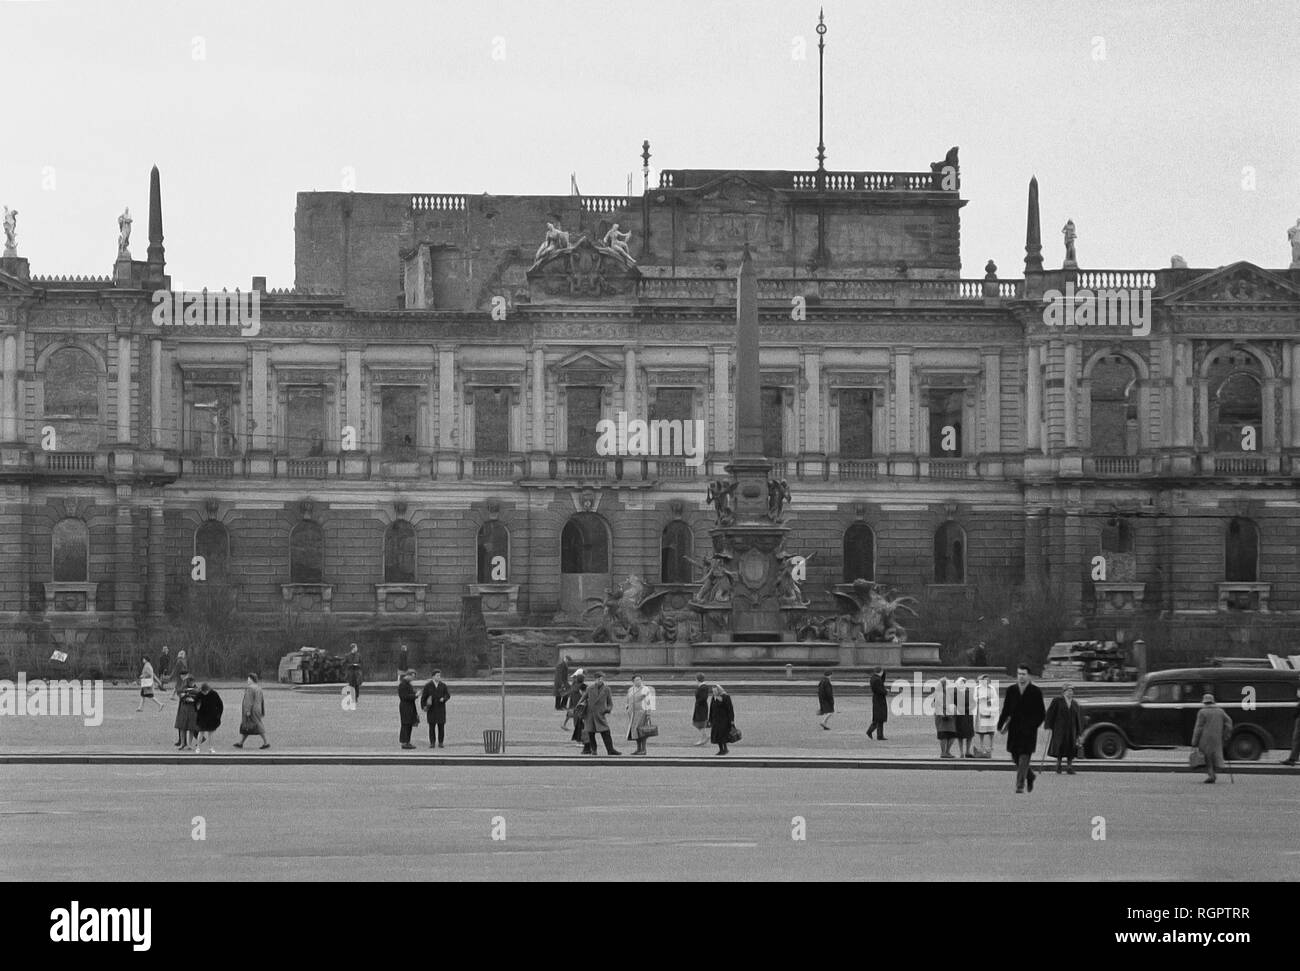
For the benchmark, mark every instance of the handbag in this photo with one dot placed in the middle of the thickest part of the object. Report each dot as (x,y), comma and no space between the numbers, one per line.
(734,735)
(648,729)
(1196,759)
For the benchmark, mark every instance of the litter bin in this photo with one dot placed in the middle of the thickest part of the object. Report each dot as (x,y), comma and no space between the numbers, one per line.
(493,741)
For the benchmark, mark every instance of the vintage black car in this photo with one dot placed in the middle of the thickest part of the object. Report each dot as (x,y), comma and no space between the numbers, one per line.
(1162,712)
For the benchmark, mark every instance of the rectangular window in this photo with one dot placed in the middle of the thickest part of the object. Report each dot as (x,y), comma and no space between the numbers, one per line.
(304,423)
(774,422)
(857,411)
(211,421)
(398,422)
(491,421)
(945,423)
(672,404)
(582,414)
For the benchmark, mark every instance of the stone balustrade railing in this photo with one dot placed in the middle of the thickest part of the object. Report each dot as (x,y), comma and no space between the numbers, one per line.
(437,202)
(776,290)
(809,181)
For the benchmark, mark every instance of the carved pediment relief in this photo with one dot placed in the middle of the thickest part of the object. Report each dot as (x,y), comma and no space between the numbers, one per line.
(1239,283)
(585,368)
(736,189)
(583,269)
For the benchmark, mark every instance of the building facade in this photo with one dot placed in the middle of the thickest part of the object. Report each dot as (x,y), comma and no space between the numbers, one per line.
(420,418)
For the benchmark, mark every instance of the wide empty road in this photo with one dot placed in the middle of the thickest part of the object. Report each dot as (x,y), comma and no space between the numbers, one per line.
(437,822)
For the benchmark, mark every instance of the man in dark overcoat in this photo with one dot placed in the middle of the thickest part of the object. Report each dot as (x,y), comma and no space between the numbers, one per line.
(879,705)
(600,702)
(433,699)
(1022,714)
(406,707)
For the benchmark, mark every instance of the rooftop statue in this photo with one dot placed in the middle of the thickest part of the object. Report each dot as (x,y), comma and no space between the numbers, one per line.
(1070,236)
(1293,234)
(618,242)
(11,232)
(556,239)
(124,234)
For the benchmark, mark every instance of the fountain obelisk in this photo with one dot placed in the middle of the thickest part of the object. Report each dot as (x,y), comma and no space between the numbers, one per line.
(749,467)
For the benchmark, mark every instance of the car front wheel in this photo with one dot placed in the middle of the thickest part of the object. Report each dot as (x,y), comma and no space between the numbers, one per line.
(1244,747)
(1109,745)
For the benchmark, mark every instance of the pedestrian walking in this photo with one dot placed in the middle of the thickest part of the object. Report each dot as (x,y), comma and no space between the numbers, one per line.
(1065,722)
(1022,714)
(147,679)
(964,697)
(825,700)
(561,683)
(406,707)
(578,710)
(403,657)
(722,719)
(986,716)
(209,711)
(879,705)
(600,702)
(640,705)
(1213,726)
(1295,735)
(182,672)
(251,712)
(433,701)
(945,719)
(187,713)
(164,668)
(700,715)
(353,663)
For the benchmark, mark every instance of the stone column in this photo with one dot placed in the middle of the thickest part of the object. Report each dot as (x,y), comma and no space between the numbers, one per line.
(448,450)
(903,406)
(629,383)
(1070,388)
(1184,389)
(157,415)
(261,406)
(1295,395)
(352,402)
(1034,401)
(157,562)
(124,565)
(9,403)
(124,389)
(992,367)
(539,400)
(1264,439)
(814,440)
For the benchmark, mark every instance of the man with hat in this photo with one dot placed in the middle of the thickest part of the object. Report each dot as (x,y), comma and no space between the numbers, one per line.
(433,699)
(1213,726)
(600,702)
(406,707)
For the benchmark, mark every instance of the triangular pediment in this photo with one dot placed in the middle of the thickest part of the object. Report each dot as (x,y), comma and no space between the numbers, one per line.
(1240,282)
(735,188)
(586,361)
(12,284)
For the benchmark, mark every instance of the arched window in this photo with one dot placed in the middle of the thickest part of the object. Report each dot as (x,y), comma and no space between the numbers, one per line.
(212,542)
(307,553)
(1238,404)
(399,552)
(70,551)
(1241,552)
(72,390)
(493,553)
(584,545)
(859,553)
(677,543)
(1113,407)
(950,554)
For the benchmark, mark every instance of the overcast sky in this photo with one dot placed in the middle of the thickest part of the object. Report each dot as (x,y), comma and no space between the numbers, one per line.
(1159,127)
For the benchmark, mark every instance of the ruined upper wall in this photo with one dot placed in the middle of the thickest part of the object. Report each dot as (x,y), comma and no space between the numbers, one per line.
(385,251)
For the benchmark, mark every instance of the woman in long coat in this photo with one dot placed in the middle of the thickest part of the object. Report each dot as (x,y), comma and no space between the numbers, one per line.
(251,712)
(879,705)
(965,717)
(640,703)
(147,681)
(182,673)
(700,715)
(945,719)
(210,709)
(722,716)
(1212,730)
(986,716)
(187,714)
(1065,721)
(406,708)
